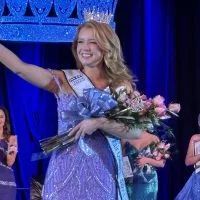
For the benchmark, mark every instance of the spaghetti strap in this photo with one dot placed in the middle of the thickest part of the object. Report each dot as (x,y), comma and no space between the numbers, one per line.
(57,82)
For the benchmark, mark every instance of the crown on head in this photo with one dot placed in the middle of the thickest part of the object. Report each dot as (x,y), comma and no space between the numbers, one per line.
(96,15)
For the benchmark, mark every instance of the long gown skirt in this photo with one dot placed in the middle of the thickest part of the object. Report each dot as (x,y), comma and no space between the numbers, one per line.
(139,190)
(191,190)
(84,171)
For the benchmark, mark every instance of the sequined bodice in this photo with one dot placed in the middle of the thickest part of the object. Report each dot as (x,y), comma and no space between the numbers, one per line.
(65,102)
(69,103)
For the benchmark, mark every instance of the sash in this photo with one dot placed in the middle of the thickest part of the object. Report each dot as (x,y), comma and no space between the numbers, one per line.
(79,81)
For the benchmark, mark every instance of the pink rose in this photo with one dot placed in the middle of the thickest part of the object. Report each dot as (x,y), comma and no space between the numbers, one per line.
(147,104)
(161,145)
(174,107)
(167,146)
(158,100)
(166,156)
(155,153)
(160,111)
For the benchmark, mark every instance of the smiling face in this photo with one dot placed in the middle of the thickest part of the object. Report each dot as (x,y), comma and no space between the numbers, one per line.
(88,51)
(2,119)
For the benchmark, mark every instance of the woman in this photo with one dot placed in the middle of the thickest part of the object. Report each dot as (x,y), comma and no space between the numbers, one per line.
(143,185)
(8,152)
(191,190)
(87,169)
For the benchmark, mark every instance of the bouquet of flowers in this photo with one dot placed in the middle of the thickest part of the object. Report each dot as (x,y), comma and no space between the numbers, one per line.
(133,110)
(139,111)
(93,103)
(161,150)
(156,150)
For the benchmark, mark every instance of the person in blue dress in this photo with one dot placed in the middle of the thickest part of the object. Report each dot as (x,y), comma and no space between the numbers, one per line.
(191,190)
(143,183)
(91,167)
(8,152)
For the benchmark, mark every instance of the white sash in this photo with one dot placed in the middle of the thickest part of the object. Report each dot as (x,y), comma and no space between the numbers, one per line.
(79,81)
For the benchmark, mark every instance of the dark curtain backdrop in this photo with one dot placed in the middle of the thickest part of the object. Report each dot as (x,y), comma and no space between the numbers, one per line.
(161,45)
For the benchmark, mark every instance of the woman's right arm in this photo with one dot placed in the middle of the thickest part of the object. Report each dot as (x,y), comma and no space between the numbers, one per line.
(31,73)
(191,159)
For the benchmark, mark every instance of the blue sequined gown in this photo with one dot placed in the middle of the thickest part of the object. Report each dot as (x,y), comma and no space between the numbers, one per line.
(191,190)
(7,180)
(84,171)
(144,184)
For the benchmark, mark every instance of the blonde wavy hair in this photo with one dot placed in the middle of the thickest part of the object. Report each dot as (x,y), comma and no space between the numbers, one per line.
(109,43)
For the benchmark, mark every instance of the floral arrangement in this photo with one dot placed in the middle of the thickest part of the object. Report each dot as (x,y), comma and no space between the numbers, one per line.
(161,150)
(156,150)
(139,111)
(133,110)
(93,103)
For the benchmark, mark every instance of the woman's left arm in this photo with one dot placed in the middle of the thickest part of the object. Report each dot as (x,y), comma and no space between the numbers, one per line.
(120,130)
(12,150)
